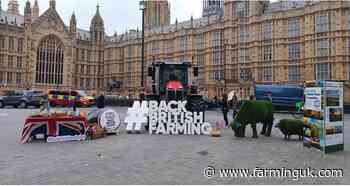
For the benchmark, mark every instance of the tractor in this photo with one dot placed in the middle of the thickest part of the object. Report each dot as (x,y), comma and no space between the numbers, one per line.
(173,81)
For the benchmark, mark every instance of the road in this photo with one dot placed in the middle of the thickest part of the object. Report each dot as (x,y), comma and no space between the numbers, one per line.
(145,159)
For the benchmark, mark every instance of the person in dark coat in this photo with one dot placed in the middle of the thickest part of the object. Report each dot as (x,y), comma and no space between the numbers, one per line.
(225,108)
(142,97)
(216,101)
(100,102)
(234,104)
(75,105)
(269,97)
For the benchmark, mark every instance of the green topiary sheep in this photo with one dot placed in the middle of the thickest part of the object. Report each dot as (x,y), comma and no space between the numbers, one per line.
(291,127)
(253,112)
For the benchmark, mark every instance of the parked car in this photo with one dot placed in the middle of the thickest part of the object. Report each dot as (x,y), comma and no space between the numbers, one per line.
(283,96)
(22,99)
(67,98)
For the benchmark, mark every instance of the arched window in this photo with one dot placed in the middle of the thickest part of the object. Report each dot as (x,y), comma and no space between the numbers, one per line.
(49,65)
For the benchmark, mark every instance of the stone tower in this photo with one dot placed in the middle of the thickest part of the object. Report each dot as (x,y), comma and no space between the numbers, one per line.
(27,13)
(35,10)
(73,25)
(213,7)
(157,13)
(13,7)
(97,28)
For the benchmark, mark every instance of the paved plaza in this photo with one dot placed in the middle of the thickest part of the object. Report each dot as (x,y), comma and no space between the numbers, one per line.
(145,159)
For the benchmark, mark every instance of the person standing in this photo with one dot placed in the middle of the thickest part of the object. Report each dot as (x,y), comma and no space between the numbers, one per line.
(225,108)
(142,97)
(234,104)
(216,102)
(45,102)
(269,97)
(100,102)
(75,104)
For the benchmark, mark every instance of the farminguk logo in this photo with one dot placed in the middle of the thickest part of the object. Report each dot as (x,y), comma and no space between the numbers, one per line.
(170,118)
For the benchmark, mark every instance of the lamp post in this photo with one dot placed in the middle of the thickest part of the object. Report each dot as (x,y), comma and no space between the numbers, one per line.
(142,8)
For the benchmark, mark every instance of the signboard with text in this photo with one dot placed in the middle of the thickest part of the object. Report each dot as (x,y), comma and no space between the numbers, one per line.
(166,118)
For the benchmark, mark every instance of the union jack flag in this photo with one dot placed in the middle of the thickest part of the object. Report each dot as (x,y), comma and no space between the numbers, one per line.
(53,127)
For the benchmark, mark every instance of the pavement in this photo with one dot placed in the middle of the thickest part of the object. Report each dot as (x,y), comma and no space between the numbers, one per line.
(154,159)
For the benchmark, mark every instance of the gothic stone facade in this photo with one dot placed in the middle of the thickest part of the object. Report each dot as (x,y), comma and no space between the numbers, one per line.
(43,53)
(252,42)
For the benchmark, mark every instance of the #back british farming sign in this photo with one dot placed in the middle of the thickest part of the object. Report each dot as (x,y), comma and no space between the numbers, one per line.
(166,118)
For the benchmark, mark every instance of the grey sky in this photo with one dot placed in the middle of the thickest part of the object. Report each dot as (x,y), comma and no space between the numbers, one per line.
(119,15)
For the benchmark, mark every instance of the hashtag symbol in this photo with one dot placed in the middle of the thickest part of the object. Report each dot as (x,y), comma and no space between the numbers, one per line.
(136,116)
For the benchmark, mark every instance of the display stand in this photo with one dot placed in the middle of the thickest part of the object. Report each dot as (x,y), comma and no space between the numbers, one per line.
(54,126)
(324,116)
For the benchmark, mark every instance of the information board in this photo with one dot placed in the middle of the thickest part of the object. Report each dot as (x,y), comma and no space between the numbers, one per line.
(324,116)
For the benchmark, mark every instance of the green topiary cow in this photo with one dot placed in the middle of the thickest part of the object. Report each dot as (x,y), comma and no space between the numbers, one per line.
(253,112)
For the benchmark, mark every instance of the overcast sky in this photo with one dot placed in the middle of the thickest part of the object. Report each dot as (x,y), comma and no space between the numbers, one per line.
(119,15)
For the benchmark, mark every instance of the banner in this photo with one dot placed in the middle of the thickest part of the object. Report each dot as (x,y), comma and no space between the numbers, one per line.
(334,121)
(324,116)
(313,99)
(313,117)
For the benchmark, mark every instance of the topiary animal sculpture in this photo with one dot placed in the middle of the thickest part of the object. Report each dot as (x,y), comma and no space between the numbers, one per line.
(253,112)
(291,127)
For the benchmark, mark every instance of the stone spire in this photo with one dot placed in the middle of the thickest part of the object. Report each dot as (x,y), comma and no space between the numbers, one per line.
(27,9)
(191,21)
(35,10)
(73,24)
(97,27)
(53,4)
(28,13)
(176,23)
(13,7)
(97,19)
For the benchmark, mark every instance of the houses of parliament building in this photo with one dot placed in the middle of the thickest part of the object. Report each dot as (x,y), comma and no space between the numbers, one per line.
(235,44)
